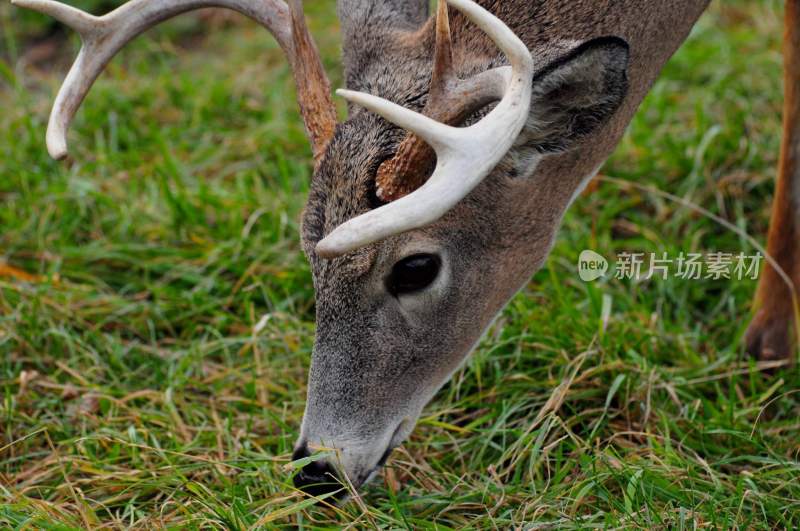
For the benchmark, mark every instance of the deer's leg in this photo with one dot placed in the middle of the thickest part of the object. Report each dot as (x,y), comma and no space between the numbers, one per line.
(773,333)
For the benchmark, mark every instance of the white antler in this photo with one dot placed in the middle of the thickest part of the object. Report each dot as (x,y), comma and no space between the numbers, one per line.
(465,156)
(104,36)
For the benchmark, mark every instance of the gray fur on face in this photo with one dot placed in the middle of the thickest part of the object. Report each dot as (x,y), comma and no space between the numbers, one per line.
(378,359)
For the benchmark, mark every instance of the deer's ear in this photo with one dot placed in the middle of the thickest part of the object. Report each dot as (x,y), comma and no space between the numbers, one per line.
(576,93)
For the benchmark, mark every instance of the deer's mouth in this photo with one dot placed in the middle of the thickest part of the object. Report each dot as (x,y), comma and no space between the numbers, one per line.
(394,442)
(385,457)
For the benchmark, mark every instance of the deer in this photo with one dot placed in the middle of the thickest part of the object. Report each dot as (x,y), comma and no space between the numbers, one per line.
(470,130)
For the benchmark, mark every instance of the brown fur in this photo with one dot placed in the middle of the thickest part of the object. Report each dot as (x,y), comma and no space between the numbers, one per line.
(773,333)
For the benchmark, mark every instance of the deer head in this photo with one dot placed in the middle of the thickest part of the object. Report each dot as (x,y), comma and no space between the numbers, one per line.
(425,213)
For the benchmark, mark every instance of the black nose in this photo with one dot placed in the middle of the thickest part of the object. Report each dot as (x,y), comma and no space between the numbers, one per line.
(317,477)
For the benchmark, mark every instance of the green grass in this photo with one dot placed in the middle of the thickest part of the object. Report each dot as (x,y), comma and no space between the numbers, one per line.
(135,392)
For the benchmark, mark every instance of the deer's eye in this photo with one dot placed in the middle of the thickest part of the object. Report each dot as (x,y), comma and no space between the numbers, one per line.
(413,273)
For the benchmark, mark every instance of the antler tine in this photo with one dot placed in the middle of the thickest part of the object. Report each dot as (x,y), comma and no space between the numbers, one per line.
(443,52)
(465,156)
(317,107)
(76,19)
(435,133)
(104,36)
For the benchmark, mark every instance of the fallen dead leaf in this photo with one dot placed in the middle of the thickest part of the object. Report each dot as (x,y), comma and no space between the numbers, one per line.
(89,404)
(69,392)
(26,377)
(17,274)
